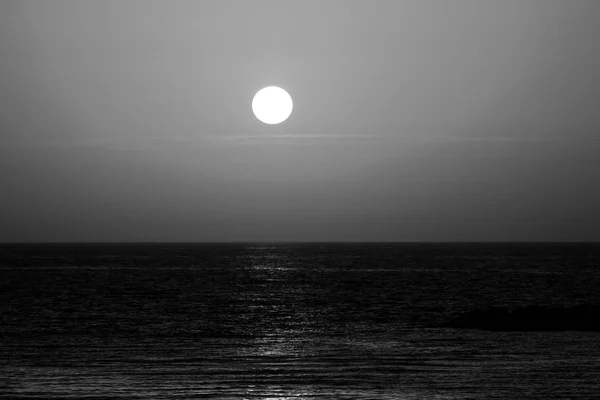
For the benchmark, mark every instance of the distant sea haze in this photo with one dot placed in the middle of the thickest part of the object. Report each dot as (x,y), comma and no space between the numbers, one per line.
(292,321)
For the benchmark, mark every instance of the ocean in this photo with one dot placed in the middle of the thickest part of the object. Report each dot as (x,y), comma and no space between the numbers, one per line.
(290,321)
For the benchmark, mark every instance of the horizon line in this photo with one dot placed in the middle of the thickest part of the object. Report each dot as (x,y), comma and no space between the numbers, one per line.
(313,242)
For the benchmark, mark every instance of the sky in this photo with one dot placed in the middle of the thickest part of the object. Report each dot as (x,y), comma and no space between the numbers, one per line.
(414,120)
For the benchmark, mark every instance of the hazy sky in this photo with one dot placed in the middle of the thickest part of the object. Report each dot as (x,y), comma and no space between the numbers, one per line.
(414,120)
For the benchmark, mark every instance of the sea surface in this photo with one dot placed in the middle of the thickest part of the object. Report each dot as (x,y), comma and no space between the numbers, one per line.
(290,321)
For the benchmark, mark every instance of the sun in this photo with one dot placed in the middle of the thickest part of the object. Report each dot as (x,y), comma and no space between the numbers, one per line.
(272,105)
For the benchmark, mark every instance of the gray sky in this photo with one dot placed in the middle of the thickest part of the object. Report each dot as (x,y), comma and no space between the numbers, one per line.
(414,120)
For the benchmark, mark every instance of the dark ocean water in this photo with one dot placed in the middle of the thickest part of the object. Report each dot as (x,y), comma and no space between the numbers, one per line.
(290,321)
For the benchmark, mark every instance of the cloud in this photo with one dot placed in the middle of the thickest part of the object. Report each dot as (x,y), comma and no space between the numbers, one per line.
(299,138)
(490,139)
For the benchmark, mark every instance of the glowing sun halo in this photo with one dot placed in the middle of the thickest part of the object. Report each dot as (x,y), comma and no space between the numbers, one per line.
(272,105)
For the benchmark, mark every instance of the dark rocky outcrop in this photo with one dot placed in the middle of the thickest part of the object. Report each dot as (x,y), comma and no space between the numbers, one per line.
(531,318)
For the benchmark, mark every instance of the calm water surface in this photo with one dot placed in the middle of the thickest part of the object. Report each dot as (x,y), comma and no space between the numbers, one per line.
(290,321)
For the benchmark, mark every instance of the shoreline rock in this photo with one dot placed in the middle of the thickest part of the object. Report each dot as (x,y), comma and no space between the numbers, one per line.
(531,318)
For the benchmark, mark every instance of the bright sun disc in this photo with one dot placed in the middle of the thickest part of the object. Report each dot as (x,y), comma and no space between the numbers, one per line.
(272,105)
